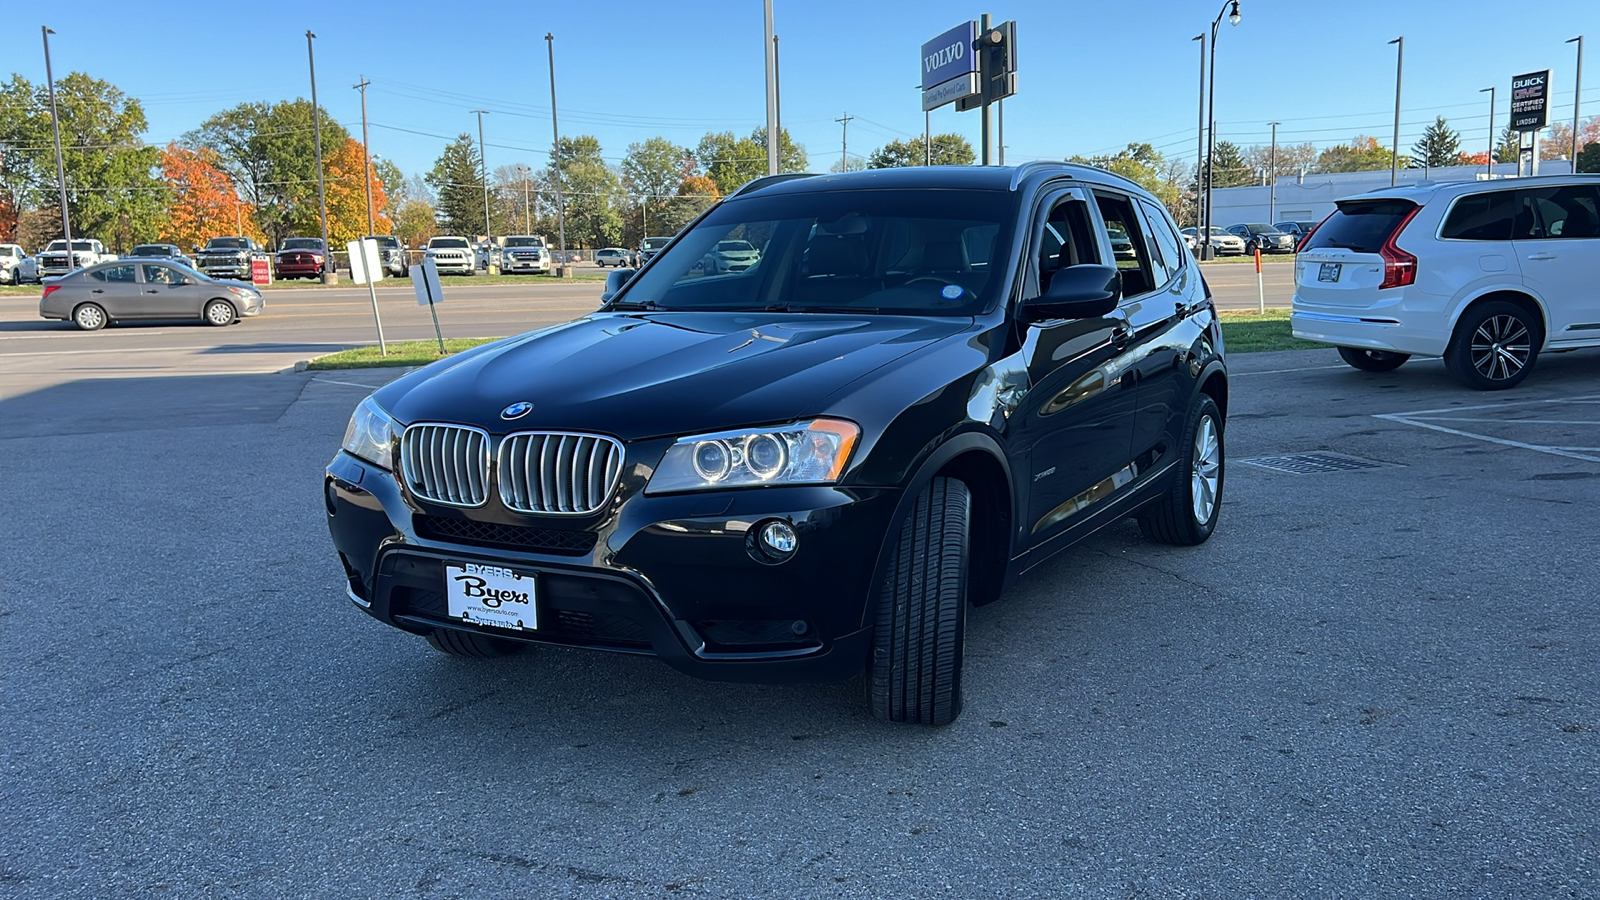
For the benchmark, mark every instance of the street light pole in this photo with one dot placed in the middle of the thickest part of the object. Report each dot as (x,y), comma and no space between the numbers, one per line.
(55,125)
(366,150)
(777,96)
(1200,139)
(316,140)
(1490,167)
(1577,95)
(1399,70)
(483,160)
(1231,8)
(1272,173)
(555,154)
(772,94)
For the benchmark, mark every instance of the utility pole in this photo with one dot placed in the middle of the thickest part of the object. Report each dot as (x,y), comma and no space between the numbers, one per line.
(777,97)
(1272,173)
(483,160)
(316,140)
(555,154)
(772,94)
(527,218)
(55,125)
(1577,95)
(366,150)
(1399,69)
(1200,149)
(1490,167)
(844,143)
(927,138)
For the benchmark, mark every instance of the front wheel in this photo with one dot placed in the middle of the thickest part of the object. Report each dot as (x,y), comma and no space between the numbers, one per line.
(219,313)
(1187,513)
(89,317)
(1373,360)
(914,673)
(1494,346)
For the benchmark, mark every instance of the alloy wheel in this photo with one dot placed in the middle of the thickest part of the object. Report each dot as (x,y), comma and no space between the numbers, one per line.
(1501,347)
(1206,470)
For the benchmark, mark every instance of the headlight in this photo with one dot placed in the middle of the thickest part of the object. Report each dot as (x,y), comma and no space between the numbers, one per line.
(370,435)
(813,452)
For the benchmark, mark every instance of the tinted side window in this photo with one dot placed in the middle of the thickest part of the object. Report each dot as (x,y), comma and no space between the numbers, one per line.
(1167,243)
(115,273)
(1068,240)
(1127,243)
(1481,217)
(1572,211)
(1360,225)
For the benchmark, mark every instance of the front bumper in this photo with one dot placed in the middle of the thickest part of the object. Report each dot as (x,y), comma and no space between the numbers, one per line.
(668,576)
(454,266)
(297,270)
(536,266)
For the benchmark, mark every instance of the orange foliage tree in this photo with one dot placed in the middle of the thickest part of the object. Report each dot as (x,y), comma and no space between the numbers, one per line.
(347,198)
(204,203)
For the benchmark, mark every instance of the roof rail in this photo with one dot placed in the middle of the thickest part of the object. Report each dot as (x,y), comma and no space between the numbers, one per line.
(1022,171)
(765,181)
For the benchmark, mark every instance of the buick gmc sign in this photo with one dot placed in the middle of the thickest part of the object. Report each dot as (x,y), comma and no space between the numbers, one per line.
(950,55)
(1530,101)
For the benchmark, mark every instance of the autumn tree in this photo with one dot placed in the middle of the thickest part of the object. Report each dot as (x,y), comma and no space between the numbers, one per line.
(203,201)
(1363,154)
(347,195)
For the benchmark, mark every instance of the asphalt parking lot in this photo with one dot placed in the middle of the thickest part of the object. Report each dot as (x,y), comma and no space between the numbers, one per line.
(1377,679)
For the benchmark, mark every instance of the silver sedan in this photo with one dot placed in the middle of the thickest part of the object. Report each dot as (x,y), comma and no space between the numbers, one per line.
(124,291)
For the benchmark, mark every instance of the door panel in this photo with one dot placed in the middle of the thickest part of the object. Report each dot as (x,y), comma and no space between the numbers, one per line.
(116,288)
(166,293)
(1160,345)
(1556,241)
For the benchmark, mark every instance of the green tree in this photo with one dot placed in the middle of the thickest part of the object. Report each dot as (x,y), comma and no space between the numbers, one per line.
(457,180)
(652,172)
(732,161)
(113,192)
(269,151)
(1440,145)
(1509,149)
(1230,167)
(944,149)
(394,182)
(1143,165)
(590,190)
(1363,154)
(1589,157)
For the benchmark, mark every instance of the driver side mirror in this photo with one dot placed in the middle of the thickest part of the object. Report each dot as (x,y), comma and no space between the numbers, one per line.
(1076,292)
(614,282)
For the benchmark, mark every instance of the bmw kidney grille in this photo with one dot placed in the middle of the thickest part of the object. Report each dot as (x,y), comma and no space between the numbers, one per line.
(446,463)
(556,473)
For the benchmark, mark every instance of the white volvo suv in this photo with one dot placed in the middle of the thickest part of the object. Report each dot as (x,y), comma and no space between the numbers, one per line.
(1487,274)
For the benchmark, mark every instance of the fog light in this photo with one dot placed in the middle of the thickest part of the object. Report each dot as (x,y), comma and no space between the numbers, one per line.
(773,541)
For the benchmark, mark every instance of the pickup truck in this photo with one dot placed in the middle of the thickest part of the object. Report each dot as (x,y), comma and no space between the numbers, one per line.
(227,257)
(396,259)
(56,260)
(11,257)
(302,257)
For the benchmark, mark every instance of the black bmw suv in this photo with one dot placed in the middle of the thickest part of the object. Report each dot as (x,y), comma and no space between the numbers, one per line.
(931,381)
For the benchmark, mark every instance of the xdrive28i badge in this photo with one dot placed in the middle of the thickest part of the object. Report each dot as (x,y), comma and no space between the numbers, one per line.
(516,410)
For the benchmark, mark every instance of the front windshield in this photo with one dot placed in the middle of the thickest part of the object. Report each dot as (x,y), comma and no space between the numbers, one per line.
(655,243)
(895,252)
(735,247)
(524,242)
(302,244)
(1221,231)
(385,240)
(151,250)
(1263,229)
(447,244)
(226,244)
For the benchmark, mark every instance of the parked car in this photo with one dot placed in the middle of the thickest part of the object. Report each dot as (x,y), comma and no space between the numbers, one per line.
(795,472)
(1296,229)
(525,253)
(11,257)
(27,271)
(1222,243)
(126,290)
(228,257)
(1121,246)
(303,257)
(1487,274)
(650,246)
(736,256)
(612,256)
(160,251)
(452,255)
(56,260)
(1262,237)
(392,254)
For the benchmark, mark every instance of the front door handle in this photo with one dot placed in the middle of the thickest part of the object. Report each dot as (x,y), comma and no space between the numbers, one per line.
(1541,256)
(1120,336)
(150,291)
(97,291)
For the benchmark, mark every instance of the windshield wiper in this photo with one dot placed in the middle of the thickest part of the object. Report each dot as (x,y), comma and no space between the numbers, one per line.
(638,305)
(846,310)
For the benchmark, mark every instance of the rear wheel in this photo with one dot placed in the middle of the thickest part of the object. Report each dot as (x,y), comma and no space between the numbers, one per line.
(220,312)
(914,674)
(89,317)
(1187,514)
(1494,346)
(1373,360)
(472,646)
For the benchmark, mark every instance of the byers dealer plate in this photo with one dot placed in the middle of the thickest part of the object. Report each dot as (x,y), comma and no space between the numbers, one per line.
(491,595)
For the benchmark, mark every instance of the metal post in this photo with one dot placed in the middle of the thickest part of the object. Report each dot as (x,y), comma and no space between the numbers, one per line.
(1000,120)
(366,149)
(983,88)
(55,125)
(316,140)
(1200,142)
(527,217)
(1399,70)
(927,138)
(555,154)
(1211,117)
(483,160)
(1491,130)
(844,143)
(1577,95)
(777,97)
(1272,173)
(772,95)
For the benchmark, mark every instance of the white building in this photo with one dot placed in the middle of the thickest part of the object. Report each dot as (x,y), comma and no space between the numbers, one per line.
(1310,198)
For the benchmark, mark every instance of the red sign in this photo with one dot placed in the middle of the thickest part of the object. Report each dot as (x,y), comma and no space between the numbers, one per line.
(260,270)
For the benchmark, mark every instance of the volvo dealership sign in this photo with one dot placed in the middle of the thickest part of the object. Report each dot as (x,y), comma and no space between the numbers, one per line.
(950,66)
(1530,101)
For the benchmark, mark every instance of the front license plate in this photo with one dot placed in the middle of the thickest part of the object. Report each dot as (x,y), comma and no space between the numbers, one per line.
(1329,272)
(491,595)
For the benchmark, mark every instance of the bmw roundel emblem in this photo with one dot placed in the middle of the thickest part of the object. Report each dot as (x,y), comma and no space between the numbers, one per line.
(516,410)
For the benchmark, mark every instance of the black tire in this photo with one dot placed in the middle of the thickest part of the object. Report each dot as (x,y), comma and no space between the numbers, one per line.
(219,313)
(90,316)
(1494,346)
(472,646)
(1174,518)
(1373,360)
(914,672)
(1250,249)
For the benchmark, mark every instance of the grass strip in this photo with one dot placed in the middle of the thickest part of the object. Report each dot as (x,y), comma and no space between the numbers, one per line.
(1249,332)
(401,353)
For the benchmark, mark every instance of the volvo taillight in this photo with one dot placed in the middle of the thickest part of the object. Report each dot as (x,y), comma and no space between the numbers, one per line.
(1399,267)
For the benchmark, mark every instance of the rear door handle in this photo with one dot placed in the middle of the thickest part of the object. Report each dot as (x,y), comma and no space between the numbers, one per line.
(97,291)
(150,291)
(1541,256)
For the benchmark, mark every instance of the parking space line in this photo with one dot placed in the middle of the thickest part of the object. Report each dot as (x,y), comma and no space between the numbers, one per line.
(1537,448)
(1284,371)
(1517,421)
(370,387)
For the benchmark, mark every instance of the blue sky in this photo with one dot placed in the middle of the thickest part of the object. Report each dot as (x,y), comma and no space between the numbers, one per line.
(1092,76)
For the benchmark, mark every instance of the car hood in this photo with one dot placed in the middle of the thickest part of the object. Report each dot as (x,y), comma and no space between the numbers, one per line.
(638,376)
